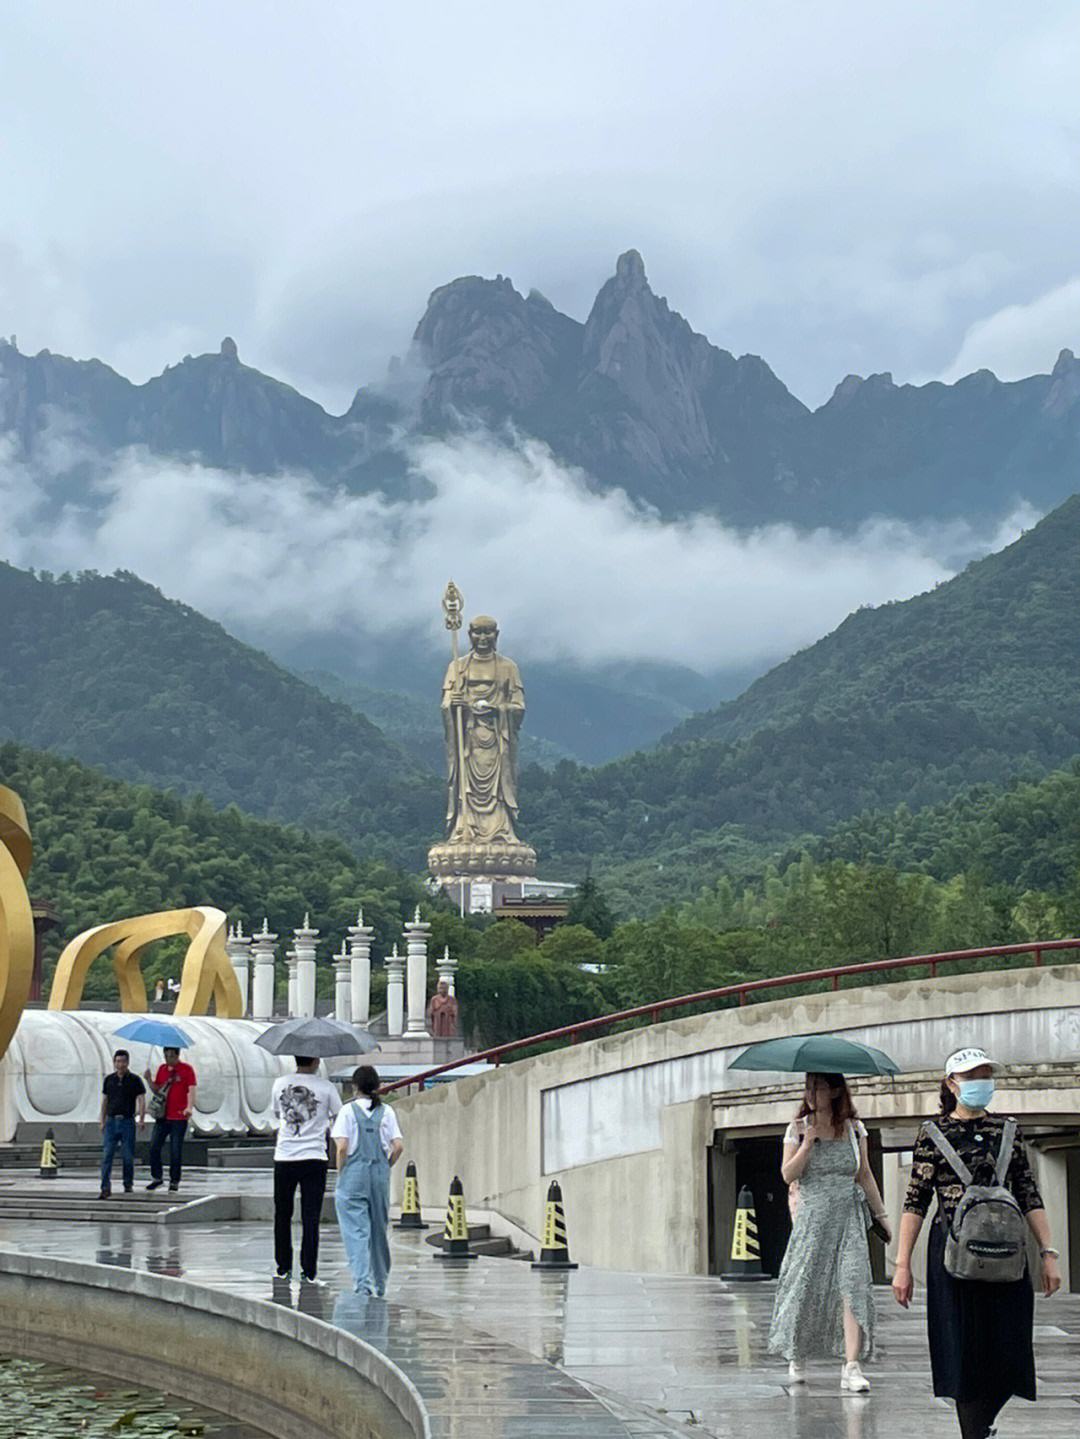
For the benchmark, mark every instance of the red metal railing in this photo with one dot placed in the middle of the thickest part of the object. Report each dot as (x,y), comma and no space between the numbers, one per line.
(573,1032)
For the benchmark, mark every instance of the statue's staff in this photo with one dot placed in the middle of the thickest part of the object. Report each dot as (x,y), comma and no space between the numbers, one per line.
(453,604)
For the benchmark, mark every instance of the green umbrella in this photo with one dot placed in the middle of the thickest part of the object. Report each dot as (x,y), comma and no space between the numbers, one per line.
(815,1054)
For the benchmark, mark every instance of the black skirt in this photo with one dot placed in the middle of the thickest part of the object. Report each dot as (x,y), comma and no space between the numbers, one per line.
(981,1342)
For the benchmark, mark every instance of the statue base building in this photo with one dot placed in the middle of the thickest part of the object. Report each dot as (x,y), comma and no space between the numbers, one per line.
(486,894)
(477,876)
(506,860)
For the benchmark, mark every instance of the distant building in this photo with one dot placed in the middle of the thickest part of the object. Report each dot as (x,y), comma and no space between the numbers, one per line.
(540,913)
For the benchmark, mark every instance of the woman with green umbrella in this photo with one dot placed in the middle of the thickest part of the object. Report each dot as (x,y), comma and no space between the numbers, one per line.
(824,1300)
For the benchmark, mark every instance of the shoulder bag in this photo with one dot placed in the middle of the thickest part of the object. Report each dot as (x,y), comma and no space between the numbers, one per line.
(873,1225)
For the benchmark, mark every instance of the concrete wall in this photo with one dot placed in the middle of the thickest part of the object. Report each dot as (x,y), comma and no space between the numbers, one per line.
(285,1373)
(624,1122)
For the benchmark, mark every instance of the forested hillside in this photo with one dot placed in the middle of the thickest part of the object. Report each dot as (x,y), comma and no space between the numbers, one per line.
(910,703)
(1025,835)
(994,867)
(111,672)
(1002,640)
(104,849)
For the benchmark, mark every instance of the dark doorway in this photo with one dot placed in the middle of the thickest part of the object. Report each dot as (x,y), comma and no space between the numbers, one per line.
(757,1168)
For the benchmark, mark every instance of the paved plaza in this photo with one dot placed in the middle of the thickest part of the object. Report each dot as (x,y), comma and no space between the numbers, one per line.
(500,1351)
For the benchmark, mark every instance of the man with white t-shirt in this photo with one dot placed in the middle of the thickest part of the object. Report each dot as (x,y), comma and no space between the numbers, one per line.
(304,1105)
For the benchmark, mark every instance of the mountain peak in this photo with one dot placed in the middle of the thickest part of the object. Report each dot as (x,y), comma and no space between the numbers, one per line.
(228,349)
(630,271)
(848,386)
(1065,362)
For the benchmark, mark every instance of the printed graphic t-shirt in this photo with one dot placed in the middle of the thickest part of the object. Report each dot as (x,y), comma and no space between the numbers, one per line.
(183,1081)
(304,1106)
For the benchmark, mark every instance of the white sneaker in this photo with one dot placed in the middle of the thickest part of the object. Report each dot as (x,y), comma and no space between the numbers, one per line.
(853,1380)
(796,1372)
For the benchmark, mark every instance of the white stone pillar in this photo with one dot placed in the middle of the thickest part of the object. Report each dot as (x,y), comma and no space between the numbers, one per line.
(290,966)
(395,993)
(238,948)
(305,968)
(342,985)
(262,984)
(360,937)
(447,968)
(416,937)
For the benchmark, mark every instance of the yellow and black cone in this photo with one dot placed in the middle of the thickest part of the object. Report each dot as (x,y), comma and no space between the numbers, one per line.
(745,1263)
(555,1251)
(411,1217)
(49,1162)
(455,1239)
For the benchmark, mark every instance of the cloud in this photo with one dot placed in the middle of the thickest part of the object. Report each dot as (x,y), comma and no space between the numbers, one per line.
(1020,340)
(840,187)
(571,575)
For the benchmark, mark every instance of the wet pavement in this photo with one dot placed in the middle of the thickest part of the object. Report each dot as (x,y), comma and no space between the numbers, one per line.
(501,1351)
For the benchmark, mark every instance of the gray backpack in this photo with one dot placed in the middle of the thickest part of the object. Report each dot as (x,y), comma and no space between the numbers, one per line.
(988,1238)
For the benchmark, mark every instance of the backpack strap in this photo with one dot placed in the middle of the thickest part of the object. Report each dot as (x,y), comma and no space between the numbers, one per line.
(1005,1153)
(951,1156)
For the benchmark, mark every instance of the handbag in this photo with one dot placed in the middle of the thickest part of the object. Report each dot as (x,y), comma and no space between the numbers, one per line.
(158,1101)
(872,1223)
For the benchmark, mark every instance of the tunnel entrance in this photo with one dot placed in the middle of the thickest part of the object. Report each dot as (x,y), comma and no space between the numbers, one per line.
(754,1164)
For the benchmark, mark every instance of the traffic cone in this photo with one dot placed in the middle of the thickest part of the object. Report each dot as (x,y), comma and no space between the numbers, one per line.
(49,1162)
(555,1251)
(745,1249)
(455,1243)
(411,1217)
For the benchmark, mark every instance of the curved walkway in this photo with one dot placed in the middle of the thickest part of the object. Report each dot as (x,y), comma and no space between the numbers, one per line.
(500,1351)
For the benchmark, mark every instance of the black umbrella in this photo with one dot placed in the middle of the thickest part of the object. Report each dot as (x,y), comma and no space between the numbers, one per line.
(316,1038)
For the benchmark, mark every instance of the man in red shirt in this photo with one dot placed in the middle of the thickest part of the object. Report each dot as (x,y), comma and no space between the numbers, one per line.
(176,1081)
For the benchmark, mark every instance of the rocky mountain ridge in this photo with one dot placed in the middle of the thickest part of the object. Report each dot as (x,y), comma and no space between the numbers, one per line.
(633,396)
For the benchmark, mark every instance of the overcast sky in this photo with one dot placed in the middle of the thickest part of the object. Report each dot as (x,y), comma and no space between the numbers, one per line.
(838,187)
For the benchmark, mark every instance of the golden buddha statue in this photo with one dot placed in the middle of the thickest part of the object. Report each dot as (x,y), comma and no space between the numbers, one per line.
(483,704)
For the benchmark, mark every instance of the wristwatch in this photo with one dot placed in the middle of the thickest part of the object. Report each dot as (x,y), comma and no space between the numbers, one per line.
(1049,1253)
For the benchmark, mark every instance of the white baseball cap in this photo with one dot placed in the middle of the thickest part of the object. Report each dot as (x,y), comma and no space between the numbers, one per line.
(965,1060)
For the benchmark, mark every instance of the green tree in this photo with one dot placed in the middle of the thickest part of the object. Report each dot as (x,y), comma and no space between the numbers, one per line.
(590,908)
(504,939)
(522,994)
(572,944)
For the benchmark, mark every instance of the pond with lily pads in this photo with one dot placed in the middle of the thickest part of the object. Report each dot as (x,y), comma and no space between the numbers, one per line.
(47,1401)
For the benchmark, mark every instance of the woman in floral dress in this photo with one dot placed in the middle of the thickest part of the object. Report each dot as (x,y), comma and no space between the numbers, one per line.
(824,1300)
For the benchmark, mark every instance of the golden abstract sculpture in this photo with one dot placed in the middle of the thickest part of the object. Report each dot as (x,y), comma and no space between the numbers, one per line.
(207,973)
(483,705)
(16,920)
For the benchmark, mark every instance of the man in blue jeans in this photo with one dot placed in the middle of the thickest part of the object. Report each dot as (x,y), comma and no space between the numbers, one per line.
(176,1081)
(121,1095)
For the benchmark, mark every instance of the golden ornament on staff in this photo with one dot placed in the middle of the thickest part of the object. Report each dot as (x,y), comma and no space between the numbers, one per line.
(483,705)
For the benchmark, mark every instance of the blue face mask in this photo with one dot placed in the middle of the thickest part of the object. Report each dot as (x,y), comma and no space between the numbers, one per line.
(976,1093)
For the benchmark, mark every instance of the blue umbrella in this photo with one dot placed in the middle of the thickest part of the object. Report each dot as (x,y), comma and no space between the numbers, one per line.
(155,1031)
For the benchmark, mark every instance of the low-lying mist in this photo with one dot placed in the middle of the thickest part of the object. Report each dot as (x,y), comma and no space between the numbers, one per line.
(570,575)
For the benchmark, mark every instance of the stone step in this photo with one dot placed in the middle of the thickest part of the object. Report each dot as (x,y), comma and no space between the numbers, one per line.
(159,1198)
(84,1206)
(482,1241)
(97,1212)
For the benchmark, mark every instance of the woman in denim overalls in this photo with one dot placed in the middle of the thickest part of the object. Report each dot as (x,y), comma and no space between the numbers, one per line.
(362,1196)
